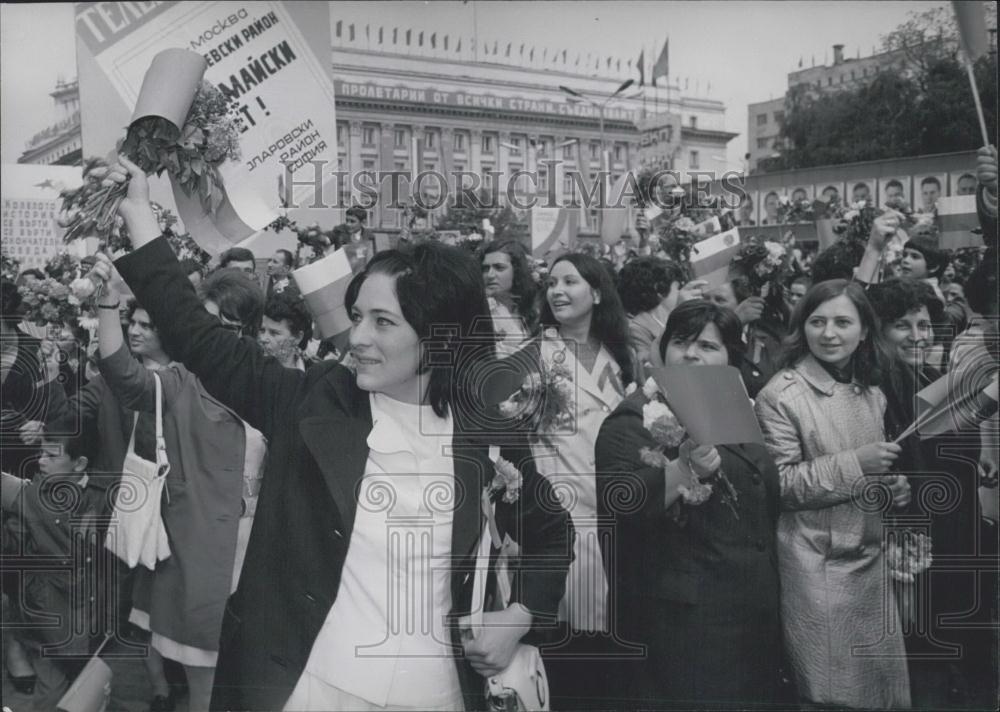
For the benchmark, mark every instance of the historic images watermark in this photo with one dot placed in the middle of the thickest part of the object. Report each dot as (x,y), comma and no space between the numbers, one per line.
(521,189)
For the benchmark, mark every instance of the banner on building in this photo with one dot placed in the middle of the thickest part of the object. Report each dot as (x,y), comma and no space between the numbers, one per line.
(271,58)
(28,231)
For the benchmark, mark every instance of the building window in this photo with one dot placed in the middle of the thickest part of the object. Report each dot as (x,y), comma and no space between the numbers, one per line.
(619,153)
(864,72)
(430,139)
(761,119)
(779,117)
(829,81)
(762,143)
(595,150)
(368,136)
(487,144)
(693,160)
(460,142)
(545,146)
(841,78)
(568,152)
(341,134)
(400,166)
(852,75)
(568,186)
(515,142)
(694,122)
(543,180)
(400,138)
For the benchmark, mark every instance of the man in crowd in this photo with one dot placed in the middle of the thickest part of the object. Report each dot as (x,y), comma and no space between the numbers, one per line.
(279,269)
(240,258)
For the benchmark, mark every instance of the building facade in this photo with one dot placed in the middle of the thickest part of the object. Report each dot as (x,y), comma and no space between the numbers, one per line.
(764,121)
(62,143)
(415,109)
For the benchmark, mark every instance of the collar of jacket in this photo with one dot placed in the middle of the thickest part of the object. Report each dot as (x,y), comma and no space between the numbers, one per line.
(336,433)
(816,376)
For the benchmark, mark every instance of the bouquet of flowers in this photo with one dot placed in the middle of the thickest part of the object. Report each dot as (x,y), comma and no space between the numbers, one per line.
(62,266)
(795,211)
(907,554)
(765,262)
(208,138)
(9,267)
(48,301)
(546,401)
(668,434)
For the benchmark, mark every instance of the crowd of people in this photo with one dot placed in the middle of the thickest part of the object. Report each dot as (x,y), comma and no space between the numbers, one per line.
(324,506)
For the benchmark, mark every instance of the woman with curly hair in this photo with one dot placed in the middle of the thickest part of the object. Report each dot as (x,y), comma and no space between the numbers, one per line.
(511,292)
(650,288)
(908,310)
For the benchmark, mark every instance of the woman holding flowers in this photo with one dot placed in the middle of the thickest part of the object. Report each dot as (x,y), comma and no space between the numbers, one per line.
(691,549)
(822,418)
(359,464)
(585,336)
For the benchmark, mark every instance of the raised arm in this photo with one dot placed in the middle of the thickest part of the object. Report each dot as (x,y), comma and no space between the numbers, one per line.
(234,369)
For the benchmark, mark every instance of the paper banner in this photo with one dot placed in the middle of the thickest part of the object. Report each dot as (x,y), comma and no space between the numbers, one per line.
(711,403)
(323,285)
(552,231)
(710,258)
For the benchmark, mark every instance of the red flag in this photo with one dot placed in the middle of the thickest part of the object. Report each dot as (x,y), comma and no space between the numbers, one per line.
(956,401)
(662,66)
(971,18)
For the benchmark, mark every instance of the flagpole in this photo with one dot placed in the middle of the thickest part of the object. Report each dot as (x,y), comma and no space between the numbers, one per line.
(975,97)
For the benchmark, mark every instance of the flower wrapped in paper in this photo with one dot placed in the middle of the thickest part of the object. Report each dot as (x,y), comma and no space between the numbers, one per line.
(183,126)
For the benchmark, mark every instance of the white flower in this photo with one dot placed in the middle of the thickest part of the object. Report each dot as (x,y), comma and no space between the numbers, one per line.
(650,389)
(507,480)
(851,214)
(662,424)
(630,389)
(83,288)
(775,252)
(859,205)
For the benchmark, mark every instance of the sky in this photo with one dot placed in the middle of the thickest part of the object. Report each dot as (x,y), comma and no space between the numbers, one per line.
(743,49)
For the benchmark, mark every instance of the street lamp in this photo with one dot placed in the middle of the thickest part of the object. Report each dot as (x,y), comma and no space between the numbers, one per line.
(600,106)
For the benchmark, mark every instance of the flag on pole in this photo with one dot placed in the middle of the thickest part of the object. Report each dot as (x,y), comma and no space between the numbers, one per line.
(956,219)
(641,66)
(446,43)
(434,39)
(408,37)
(323,285)
(662,66)
(507,53)
(971,18)
(380,31)
(420,39)
(954,402)
(458,46)
(710,258)
(351,29)
(395,35)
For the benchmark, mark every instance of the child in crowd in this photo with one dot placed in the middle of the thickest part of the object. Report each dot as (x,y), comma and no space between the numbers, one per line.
(59,517)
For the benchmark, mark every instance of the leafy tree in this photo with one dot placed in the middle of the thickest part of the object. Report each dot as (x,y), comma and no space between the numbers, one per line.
(468,215)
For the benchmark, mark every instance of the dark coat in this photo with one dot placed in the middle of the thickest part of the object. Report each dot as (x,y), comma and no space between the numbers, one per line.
(700,592)
(54,535)
(317,425)
(26,395)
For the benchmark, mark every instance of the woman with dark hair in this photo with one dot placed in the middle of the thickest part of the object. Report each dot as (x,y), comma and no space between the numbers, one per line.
(822,418)
(650,288)
(511,292)
(908,309)
(210,492)
(585,333)
(286,329)
(372,496)
(233,297)
(704,598)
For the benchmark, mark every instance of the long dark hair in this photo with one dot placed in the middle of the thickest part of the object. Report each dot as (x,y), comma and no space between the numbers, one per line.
(871,360)
(441,294)
(609,324)
(523,290)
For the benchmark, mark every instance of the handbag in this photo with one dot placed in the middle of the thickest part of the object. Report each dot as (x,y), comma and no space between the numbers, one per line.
(523,684)
(137,534)
(91,689)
